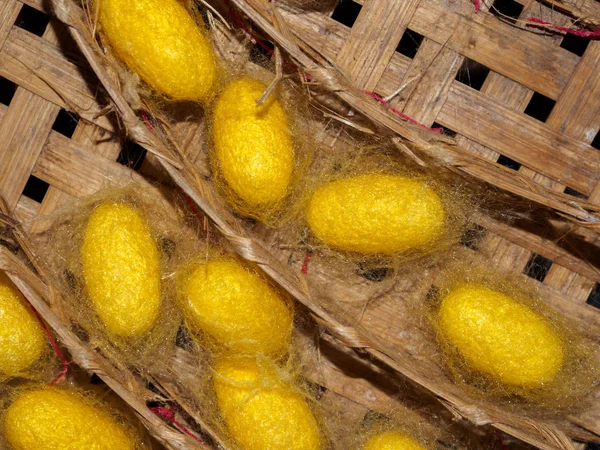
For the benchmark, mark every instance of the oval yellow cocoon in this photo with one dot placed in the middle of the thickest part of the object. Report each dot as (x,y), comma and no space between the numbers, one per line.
(376,214)
(161,42)
(121,269)
(391,440)
(260,409)
(57,419)
(236,306)
(22,340)
(500,337)
(252,144)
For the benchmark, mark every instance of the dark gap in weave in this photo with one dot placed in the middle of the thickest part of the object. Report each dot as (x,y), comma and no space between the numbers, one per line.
(184,339)
(35,189)
(7,91)
(574,193)
(537,267)
(377,274)
(539,107)
(594,297)
(65,123)
(346,12)
(95,379)
(592,446)
(132,155)
(261,52)
(472,237)
(445,131)
(410,43)
(32,20)
(596,141)
(508,162)
(472,74)
(508,10)
(575,44)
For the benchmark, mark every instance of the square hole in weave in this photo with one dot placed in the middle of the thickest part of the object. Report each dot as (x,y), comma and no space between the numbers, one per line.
(537,267)
(410,43)
(7,91)
(472,74)
(575,44)
(32,20)
(261,52)
(376,274)
(35,189)
(132,155)
(596,141)
(65,123)
(539,107)
(346,12)
(572,192)
(508,162)
(594,299)
(445,131)
(509,10)
(472,237)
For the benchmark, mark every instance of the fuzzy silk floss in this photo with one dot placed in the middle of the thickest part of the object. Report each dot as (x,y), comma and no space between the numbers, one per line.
(121,269)
(160,41)
(58,419)
(261,410)
(233,304)
(22,340)
(500,337)
(376,214)
(252,144)
(391,440)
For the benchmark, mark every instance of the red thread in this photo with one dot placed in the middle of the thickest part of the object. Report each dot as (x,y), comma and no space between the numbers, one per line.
(395,111)
(477,4)
(580,33)
(307,258)
(500,440)
(146,120)
(169,415)
(57,351)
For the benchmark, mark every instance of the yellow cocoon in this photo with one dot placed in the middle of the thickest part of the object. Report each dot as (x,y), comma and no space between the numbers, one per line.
(121,269)
(376,214)
(500,337)
(22,340)
(161,42)
(252,144)
(236,306)
(261,410)
(57,419)
(391,440)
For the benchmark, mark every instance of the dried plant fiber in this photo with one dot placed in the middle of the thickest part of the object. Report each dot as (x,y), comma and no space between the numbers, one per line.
(376,214)
(261,408)
(234,305)
(501,337)
(22,340)
(121,269)
(392,440)
(160,41)
(59,419)
(252,144)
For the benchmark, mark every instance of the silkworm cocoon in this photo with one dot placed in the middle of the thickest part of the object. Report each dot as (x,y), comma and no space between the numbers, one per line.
(391,440)
(121,269)
(22,340)
(252,144)
(376,214)
(233,304)
(58,419)
(261,410)
(500,337)
(161,42)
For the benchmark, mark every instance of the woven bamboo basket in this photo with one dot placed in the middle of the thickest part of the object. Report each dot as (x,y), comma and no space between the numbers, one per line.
(490,134)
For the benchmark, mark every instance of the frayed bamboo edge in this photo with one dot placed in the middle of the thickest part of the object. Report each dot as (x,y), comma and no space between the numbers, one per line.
(120,379)
(539,433)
